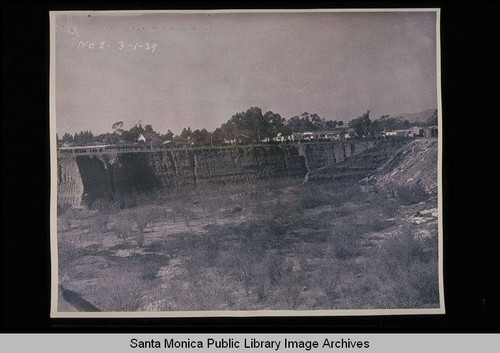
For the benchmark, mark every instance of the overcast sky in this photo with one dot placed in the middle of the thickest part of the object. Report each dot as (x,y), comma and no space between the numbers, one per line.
(207,67)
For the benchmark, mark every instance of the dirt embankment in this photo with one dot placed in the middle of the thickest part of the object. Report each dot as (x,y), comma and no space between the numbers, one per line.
(414,163)
(85,178)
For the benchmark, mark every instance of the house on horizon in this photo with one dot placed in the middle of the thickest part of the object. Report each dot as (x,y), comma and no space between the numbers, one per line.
(417,131)
(431,131)
(337,134)
(399,133)
(239,139)
(141,138)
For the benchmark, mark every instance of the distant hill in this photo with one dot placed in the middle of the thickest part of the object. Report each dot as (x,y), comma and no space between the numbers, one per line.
(414,117)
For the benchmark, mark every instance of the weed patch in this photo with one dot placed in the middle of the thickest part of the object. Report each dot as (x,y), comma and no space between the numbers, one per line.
(123,294)
(411,194)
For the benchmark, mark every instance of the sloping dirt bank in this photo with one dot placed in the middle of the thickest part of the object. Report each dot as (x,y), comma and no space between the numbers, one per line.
(415,163)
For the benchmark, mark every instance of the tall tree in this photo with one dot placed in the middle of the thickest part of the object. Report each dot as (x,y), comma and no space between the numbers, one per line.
(200,137)
(186,133)
(362,124)
(168,136)
(387,123)
(150,133)
(67,138)
(118,127)
(253,125)
(136,130)
(309,122)
(83,137)
(433,119)
(217,137)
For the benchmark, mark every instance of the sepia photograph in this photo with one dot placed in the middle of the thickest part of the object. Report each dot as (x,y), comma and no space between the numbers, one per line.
(246,163)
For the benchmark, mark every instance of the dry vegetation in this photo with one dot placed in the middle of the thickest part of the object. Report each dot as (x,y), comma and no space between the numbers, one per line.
(265,245)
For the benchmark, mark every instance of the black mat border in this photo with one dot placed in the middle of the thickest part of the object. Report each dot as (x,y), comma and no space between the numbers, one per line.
(470,163)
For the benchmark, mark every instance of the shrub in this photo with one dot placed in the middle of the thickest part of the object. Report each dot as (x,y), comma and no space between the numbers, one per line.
(316,197)
(63,223)
(151,270)
(124,225)
(68,252)
(105,205)
(409,272)
(241,263)
(347,193)
(375,224)
(388,207)
(134,222)
(403,249)
(278,268)
(99,224)
(319,236)
(345,240)
(124,201)
(411,194)
(157,246)
(329,280)
(62,209)
(127,200)
(139,238)
(291,286)
(279,219)
(260,280)
(124,295)
(183,210)
(210,246)
(208,290)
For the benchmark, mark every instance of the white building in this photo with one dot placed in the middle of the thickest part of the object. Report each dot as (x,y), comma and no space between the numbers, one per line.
(141,138)
(399,133)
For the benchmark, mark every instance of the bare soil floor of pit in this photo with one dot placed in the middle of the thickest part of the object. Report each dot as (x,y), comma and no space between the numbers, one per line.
(276,245)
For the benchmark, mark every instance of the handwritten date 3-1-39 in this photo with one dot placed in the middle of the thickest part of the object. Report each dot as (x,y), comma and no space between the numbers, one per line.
(119,45)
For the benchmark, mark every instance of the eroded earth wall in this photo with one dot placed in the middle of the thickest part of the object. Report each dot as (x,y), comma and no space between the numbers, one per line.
(84,178)
(69,181)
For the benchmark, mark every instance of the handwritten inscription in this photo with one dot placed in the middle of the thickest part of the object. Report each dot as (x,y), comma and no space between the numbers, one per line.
(120,45)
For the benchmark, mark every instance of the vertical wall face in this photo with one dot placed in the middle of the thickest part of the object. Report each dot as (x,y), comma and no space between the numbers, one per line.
(86,178)
(339,152)
(105,177)
(240,164)
(95,177)
(360,159)
(69,182)
(132,172)
(164,166)
(320,155)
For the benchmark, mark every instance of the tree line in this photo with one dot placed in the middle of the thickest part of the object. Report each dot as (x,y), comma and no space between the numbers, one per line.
(251,126)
